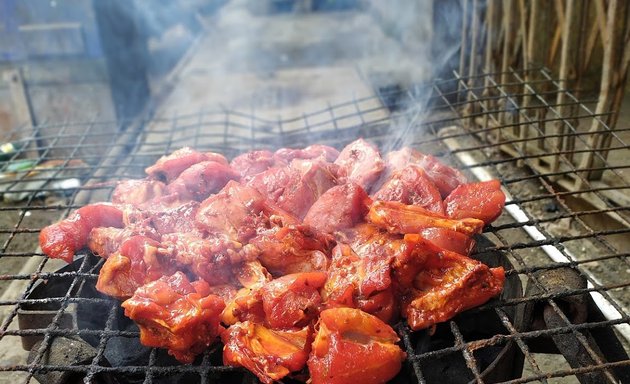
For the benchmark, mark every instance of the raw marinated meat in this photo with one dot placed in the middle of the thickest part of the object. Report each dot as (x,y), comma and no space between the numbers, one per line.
(295,187)
(353,346)
(483,201)
(167,168)
(295,264)
(252,163)
(411,186)
(360,163)
(270,354)
(339,208)
(175,314)
(61,240)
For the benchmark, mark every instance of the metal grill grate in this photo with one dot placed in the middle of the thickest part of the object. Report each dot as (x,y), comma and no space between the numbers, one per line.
(565,228)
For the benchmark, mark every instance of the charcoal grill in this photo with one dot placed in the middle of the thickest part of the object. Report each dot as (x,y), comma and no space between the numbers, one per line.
(563,237)
(567,308)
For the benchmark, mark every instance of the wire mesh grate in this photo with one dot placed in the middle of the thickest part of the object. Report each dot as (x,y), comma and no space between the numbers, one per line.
(567,215)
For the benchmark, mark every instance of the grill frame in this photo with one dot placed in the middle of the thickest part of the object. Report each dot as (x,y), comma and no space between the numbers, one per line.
(415,116)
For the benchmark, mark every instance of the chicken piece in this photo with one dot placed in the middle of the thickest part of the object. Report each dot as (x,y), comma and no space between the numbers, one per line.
(292,249)
(251,274)
(292,300)
(324,152)
(247,304)
(484,201)
(62,239)
(179,217)
(137,262)
(137,191)
(295,187)
(449,240)
(270,354)
(239,212)
(361,163)
(406,255)
(175,314)
(252,163)
(400,218)
(167,168)
(445,178)
(200,180)
(211,259)
(104,241)
(339,208)
(360,282)
(411,186)
(448,285)
(353,346)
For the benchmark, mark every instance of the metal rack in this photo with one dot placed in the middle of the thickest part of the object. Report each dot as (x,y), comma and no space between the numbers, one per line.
(567,261)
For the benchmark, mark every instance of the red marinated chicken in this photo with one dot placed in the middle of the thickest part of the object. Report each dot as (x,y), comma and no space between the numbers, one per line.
(483,201)
(447,285)
(353,346)
(301,258)
(175,314)
(167,168)
(295,187)
(339,208)
(360,163)
(292,249)
(411,186)
(445,178)
(292,300)
(137,262)
(270,354)
(63,239)
(401,218)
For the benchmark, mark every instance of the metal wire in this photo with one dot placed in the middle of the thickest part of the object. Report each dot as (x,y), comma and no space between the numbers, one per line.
(430,118)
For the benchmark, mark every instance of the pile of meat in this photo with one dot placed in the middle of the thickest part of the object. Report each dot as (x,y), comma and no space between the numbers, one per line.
(293,259)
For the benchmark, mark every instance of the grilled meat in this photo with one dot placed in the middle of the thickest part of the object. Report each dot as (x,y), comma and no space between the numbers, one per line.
(351,345)
(175,314)
(290,252)
(61,240)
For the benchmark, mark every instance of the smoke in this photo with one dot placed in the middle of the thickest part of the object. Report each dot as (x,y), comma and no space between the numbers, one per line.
(269,57)
(250,57)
